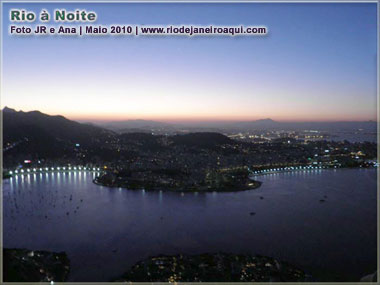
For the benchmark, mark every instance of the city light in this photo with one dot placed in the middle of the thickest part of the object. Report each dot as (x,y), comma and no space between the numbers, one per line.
(58,168)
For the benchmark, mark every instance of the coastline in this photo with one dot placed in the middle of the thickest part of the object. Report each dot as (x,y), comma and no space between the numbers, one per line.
(239,188)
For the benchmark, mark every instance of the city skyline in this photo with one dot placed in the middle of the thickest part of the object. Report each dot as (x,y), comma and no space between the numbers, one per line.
(317,63)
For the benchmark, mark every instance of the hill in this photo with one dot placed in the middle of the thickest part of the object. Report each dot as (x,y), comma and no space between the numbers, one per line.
(201,139)
(35,124)
(28,135)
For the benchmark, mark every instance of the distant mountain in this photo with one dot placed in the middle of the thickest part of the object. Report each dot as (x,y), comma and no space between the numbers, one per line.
(258,124)
(265,121)
(148,126)
(269,124)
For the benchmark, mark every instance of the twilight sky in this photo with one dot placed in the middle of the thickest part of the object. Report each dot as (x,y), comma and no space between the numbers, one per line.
(318,63)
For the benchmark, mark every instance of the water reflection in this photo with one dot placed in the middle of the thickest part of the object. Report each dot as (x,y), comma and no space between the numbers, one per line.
(68,212)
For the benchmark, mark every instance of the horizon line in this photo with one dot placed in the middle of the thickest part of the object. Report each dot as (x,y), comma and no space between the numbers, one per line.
(108,119)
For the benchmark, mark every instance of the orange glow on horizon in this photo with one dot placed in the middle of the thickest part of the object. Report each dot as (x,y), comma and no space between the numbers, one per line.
(198,119)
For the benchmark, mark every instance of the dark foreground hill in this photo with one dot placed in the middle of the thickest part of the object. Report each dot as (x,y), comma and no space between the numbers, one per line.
(32,135)
(35,124)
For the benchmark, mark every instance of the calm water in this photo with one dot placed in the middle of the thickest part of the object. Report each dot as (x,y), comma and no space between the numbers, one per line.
(104,231)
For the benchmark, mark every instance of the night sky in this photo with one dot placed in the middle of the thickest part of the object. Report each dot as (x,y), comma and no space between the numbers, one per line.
(317,63)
